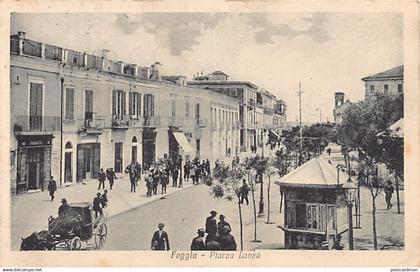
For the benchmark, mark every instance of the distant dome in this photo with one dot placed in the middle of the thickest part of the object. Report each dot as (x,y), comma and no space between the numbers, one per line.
(218,73)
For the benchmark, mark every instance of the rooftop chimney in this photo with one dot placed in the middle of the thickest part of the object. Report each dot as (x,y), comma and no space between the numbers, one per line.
(21,34)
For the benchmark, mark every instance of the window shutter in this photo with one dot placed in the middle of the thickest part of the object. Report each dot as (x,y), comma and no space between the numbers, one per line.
(130,103)
(123,104)
(152,105)
(138,104)
(114,102)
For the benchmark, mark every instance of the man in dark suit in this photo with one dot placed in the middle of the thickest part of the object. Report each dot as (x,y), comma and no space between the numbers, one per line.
(198,243)
(211,224)
(101,178)
(160,239)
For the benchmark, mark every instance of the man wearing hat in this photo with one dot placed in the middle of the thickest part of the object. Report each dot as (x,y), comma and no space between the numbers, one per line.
(222,223)
(160,239)
(211,224)
(64,208)
(226,240)
(198,242)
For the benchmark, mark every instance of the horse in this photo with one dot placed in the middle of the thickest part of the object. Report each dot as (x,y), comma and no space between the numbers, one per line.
(37,241)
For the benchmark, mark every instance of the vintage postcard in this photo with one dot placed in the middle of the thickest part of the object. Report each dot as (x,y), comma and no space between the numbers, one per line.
(182,133)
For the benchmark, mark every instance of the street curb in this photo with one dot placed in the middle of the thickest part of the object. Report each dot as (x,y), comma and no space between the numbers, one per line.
(148,202)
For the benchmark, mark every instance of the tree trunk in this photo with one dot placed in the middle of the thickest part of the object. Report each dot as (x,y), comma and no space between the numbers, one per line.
(255,215)
(397,189)
(268,199)
(240,225)
(375,238)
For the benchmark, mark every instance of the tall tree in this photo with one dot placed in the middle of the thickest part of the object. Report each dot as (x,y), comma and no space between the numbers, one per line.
(361,124)
(228,185)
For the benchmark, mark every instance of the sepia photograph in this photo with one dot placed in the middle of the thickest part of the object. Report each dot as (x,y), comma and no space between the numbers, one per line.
(220,134)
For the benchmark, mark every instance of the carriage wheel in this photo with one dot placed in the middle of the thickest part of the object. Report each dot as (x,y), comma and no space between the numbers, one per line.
(100,235)
(75,243)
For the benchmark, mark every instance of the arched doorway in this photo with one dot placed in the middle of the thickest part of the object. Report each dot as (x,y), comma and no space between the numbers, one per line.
(68,154)
(134,150)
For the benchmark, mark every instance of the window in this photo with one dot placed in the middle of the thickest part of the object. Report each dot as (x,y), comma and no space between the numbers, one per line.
(70,103)
(385,88)
(313,216)
(88,105)
(173,108)
(149,105)
(372,88)
(187,109)
(134,102)
(118,104)
(197,111)
(400,88)
(12,158)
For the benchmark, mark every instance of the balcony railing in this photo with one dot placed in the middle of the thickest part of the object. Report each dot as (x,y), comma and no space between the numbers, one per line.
(93,61)
(53,52)
(200,123)
(120,121)
(92,124)
(32,48)
(26,123)
(151,121)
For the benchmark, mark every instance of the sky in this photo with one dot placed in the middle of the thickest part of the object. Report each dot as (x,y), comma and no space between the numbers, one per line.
(326,52)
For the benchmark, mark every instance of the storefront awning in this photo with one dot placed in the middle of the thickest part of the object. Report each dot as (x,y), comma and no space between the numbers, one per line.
(183,142)
(273,135)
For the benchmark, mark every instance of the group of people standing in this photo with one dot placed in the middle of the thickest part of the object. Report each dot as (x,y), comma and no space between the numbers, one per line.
(218,235)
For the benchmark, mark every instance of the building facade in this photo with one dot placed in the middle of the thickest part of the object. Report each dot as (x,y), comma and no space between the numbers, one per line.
(73,113)
(390,81)
(259,111)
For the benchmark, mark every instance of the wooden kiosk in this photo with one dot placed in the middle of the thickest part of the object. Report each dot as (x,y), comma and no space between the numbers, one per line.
(315,210)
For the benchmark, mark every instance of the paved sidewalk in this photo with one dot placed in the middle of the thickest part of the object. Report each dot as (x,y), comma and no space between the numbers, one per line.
(30,212)
(389,224)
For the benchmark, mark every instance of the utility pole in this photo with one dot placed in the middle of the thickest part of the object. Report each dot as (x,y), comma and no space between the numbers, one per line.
(299,93)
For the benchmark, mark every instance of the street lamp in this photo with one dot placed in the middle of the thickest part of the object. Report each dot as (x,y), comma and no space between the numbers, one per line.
(340,167)
(349,191)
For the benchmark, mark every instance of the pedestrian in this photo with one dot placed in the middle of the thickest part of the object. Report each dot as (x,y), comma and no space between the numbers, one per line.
(226,240)
(149,184)
(52,187)
(137,167)
(389,190)
(101,178)
(337,243)
(110,175)
(104,199)
(194,174)
(329,151)
(64,208)
(198,173)
(164,180)
(155,183)
(222,224)
(187,171)
(198,243)
(160,239)
(211,224)
(97,205)
(175,174)
(212,243)
(131,170)
(208,168)
(244,193)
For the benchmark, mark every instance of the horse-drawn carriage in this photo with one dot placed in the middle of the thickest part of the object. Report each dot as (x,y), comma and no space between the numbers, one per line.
(69,230)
